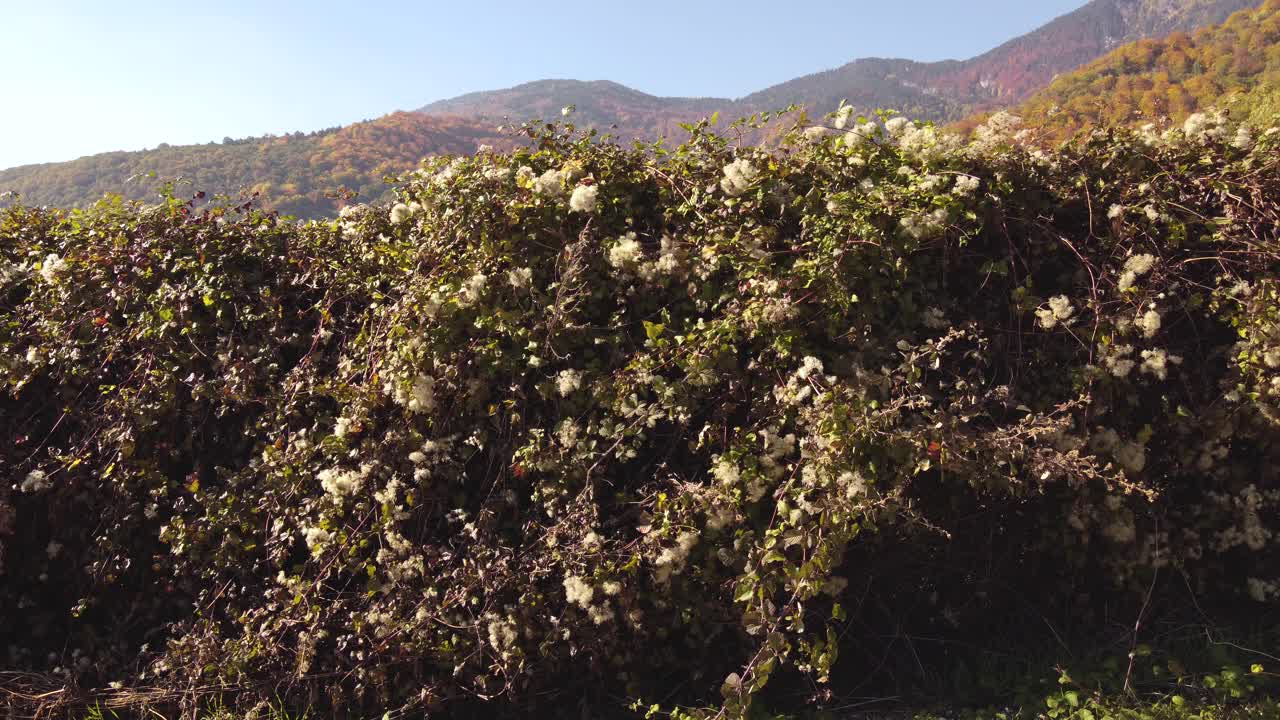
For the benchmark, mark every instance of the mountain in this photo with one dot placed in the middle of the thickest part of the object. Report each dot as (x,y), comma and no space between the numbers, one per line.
(942,91)
(1233,66)
(301,173)
(599,103)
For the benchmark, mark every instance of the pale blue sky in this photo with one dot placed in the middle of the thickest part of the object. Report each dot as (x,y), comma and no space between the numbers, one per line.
(79,77)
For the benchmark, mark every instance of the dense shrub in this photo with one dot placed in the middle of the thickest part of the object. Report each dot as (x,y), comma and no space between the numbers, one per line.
(583,423)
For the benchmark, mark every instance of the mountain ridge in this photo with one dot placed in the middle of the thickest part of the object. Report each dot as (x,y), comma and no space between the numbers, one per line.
(944,90)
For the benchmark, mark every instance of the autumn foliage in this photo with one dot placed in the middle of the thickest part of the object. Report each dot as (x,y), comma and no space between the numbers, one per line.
(1234,66)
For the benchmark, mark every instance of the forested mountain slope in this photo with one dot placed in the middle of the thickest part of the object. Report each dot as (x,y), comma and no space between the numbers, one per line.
(1234,66)
(299,174)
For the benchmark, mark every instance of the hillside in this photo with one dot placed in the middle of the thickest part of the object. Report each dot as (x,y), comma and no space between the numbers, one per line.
(1021,66)
(1234,66)
(299,174)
